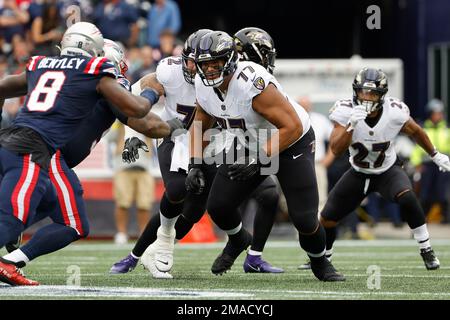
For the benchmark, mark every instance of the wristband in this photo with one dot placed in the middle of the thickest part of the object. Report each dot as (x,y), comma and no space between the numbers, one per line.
(151,95)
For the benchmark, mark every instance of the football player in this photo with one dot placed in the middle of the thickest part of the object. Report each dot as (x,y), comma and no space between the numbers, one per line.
(62,92)
(245,96)
(193,205)
(367,125)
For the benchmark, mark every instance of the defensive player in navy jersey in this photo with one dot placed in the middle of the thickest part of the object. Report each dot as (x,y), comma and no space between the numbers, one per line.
(61,92)
(66,206)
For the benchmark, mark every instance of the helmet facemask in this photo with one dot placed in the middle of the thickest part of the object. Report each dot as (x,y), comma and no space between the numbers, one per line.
(220,73)
(372,104)
(189,74)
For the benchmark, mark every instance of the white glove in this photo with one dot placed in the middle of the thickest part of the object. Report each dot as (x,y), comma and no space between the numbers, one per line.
(358,113)
(442,161)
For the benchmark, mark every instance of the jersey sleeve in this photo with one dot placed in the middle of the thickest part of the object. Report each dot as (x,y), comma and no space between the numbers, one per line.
(101,67)
(341,112)
(164,70)
(124,82)
(253,83)
(402,113)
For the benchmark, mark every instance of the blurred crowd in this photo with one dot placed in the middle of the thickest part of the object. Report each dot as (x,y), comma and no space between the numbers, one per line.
(34,27)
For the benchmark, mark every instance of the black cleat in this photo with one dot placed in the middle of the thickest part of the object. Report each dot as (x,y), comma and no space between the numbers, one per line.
(430,259)
(324,270)
(226,259)
(14,245)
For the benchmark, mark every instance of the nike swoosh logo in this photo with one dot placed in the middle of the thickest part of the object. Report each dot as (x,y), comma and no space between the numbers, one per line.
(163,262)
(253,161)
(295,157)
(256,269)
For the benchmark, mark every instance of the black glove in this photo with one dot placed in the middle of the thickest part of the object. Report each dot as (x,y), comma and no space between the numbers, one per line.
(244,168)
(131,149)
(195,181)
(175,124)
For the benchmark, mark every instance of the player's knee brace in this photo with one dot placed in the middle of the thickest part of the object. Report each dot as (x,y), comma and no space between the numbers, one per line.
(410,209)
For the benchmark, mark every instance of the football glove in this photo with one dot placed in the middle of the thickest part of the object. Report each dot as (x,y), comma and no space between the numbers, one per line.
(442,161)
(359,113)
(175,124)
(195,181)
(131,149)
(244,168)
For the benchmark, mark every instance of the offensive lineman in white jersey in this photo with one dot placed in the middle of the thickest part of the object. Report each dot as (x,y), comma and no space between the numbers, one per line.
(175,76)
(244,95)
(367,125)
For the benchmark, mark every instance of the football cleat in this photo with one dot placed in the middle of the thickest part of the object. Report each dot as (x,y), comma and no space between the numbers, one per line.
(430,259)
(324,270)
(147,260)
(255,264)
(125,265)
(164,246)
(14,245)
(226,259)
(13,276)
(307,264)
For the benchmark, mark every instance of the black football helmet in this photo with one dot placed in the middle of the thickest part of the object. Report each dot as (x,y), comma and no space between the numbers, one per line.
(370,80)
(189,52)
(216,45)
(255,44)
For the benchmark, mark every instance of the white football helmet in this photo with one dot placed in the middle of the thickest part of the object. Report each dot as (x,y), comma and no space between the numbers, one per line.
(82,38)
(115,53)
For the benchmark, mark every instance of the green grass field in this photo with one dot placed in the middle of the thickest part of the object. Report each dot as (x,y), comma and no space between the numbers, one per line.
(402,274)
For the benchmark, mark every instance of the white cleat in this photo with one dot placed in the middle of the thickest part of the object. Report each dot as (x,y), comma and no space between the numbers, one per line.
(163,250)
(147,260)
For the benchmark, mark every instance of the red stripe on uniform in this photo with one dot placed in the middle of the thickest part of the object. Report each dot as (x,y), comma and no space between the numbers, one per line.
(73,202)
(97,69)
(15,194)
(88,66)
(30,191)
(61,202)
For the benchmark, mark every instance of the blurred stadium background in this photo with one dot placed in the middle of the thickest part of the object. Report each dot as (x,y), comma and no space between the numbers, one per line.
(320,46)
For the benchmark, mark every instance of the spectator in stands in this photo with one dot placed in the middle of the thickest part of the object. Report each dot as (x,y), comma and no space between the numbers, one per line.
(146,64)
(169,46)
(47,28)
(20,55)
(433,183)
(163,15)
(133,183)
(13,19)
(116,19)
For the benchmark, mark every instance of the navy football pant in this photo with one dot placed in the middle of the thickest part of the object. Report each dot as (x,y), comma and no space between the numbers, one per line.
(21,189)
(64,204)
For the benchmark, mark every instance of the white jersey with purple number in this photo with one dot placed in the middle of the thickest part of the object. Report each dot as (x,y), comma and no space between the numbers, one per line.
(179,103)
(372,148)
(233,110)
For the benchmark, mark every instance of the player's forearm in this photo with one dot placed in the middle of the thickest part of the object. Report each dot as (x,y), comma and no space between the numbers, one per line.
(340,142)
(13,86)
(151,126)
(282,139)
(422,139)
